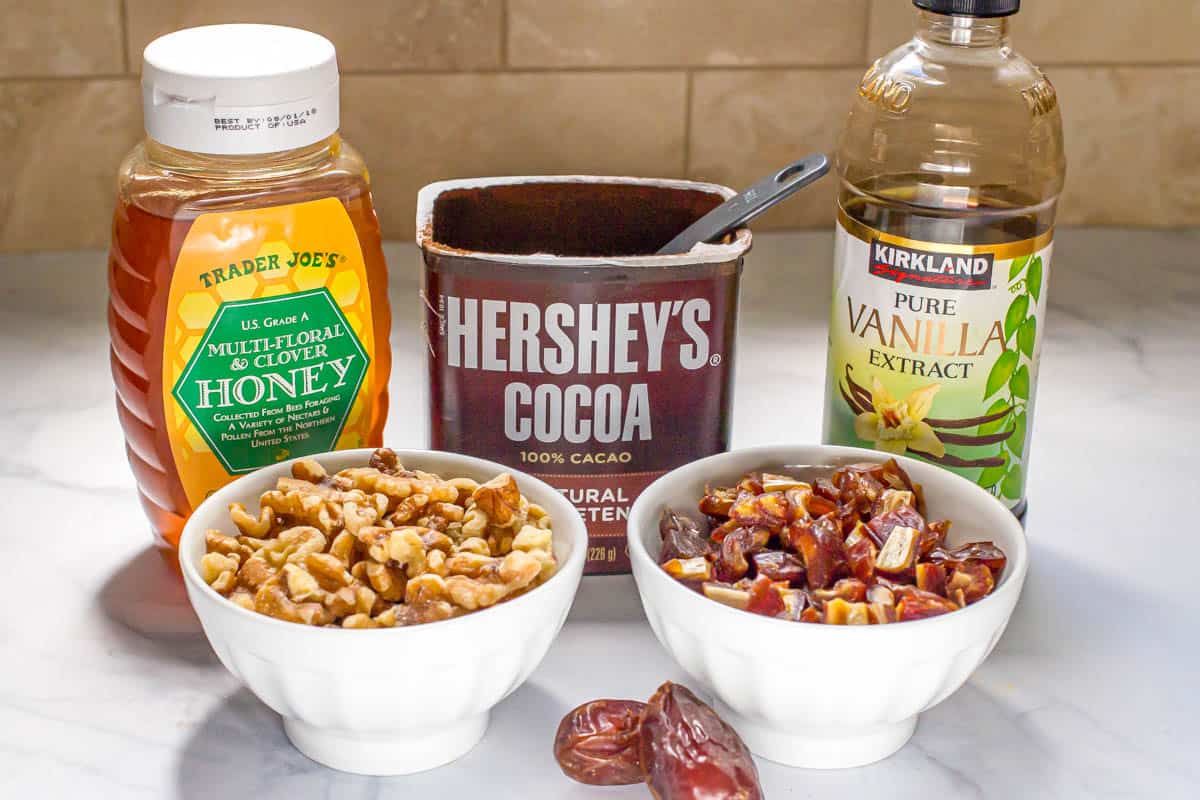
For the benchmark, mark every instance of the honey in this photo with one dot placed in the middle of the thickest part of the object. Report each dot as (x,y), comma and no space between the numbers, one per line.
(248,305)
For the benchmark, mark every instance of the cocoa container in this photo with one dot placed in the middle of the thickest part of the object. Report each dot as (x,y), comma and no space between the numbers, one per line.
(561,345)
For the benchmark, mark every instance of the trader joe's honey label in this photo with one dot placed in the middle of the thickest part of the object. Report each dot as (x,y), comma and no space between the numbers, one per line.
(268,341)
(933,351)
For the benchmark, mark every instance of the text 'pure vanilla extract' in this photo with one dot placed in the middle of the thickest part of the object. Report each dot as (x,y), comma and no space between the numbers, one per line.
(951,166)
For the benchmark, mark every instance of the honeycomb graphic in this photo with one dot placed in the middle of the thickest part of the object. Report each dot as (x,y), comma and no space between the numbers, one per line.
(196,308)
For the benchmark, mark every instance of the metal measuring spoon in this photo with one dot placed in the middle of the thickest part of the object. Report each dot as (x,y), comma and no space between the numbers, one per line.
(737,211)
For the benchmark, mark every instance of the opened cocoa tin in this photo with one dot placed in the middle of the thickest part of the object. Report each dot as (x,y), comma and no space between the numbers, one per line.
(561,345)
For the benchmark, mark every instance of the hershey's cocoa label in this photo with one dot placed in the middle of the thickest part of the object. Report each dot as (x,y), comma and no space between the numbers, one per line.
(596,386)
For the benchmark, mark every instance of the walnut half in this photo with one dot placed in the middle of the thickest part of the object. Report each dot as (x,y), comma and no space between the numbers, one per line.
(353,550)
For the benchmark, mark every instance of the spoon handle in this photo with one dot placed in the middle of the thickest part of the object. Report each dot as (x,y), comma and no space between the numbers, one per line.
(737,211)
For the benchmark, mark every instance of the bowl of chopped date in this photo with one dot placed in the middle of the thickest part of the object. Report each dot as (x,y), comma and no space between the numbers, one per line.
(383,601)
(825,595)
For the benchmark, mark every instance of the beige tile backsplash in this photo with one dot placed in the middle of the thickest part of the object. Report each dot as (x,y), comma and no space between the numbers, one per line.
(1133,137)
(60,37)
(416,129)
(63,142)
(716,33)
(1076,32)
(749,122)
(721,90)
(370,35)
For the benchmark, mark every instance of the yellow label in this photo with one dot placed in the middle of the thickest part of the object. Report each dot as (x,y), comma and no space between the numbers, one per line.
(268,342)
(934,351)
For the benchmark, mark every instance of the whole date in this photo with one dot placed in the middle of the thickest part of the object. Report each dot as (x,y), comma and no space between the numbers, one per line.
(598,743)
(690,753)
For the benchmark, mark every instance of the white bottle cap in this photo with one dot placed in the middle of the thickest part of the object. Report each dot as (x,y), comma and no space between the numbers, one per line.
(240,89)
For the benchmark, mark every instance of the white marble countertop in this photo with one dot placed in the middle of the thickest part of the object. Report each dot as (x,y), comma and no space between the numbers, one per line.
(107,690)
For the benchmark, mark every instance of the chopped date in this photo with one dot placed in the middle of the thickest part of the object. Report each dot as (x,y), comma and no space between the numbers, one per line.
(881,527)
(690,753)
(819,506)
(782,483)
(797,503)
(898,556)
(731,560)
(863,485)
(893,499)
(881,595)
(719,533)
(766,597)
(851,590)
(932,578)
(795,602)
(861,553)
(717,502)
(736,550)
(934,535)
(857,488)
(984,552)
(779,566)
(688,569)
(751,483)
(681,537)
(726,594)
(919,604)
(973,579)
(841,612)
(598,743)
(767,510)
(820,545)
(881,613)
(825,488)
(850,548)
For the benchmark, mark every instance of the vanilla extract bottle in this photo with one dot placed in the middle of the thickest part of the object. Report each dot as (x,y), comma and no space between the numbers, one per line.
(951,164)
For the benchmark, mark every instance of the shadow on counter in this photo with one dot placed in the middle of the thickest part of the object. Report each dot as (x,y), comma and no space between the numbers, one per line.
(148,606)
(240,750)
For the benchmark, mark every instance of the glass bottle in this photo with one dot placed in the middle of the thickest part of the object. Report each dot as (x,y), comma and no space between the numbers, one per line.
(248,307)
(951,164)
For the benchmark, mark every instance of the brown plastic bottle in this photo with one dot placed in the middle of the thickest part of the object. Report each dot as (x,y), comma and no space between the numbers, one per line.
(248,305)
(951,165)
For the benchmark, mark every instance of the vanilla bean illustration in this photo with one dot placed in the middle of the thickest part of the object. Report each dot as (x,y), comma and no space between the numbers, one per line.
(859,392)
(859,400)
(972,441)
(949,460)
(855,407)
(970,422)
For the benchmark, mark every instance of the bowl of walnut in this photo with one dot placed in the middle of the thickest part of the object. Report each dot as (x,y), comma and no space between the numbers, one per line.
(382,602)
(826,596)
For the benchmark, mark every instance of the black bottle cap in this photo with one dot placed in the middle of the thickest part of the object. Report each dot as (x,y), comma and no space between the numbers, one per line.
(971,8)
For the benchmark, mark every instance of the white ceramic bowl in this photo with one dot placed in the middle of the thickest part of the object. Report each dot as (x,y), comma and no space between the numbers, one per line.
(397,700)
(812,695)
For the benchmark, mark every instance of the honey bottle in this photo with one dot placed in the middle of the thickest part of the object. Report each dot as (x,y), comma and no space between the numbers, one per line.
(248,307)
(951,165)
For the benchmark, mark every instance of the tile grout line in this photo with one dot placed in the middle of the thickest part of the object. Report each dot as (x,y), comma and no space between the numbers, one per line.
(866,42)
(504,33)
(689,92)
(633,70)
(1186,230)
(123,17)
